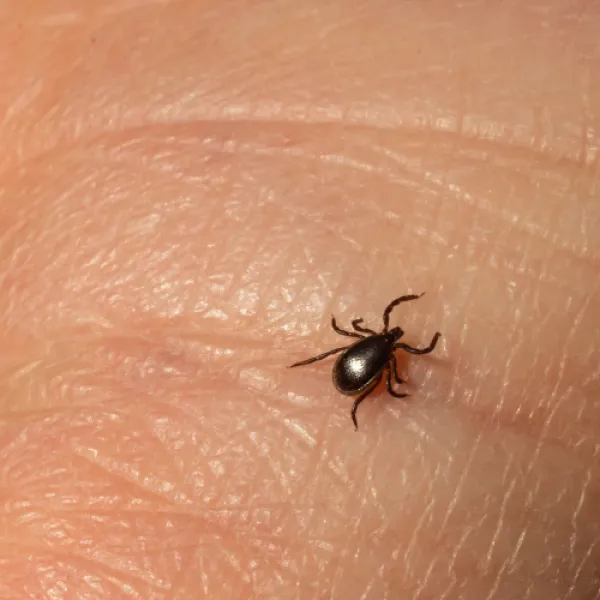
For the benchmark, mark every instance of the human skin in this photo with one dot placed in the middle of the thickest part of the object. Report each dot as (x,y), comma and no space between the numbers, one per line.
(189,190)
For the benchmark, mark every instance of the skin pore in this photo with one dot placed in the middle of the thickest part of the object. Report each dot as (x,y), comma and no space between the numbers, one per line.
(189,190)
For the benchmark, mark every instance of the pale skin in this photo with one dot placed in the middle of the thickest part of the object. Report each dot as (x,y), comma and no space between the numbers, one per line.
(189,190)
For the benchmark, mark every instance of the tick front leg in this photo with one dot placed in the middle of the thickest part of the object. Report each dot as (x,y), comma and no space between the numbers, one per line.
(342,332)
(360,399)
(356,324)
(390,307)
(308,361)
(427,350)
(389,385)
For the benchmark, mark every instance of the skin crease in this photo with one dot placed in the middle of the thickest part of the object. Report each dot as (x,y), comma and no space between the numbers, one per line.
(188,190)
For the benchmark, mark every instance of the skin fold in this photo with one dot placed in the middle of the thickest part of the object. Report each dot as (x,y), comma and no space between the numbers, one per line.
(189,190)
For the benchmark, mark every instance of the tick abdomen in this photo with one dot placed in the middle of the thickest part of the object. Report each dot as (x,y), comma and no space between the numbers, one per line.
(359,365)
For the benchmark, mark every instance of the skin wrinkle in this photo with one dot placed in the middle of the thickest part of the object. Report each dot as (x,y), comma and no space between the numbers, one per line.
(585,559)
(347,122)
(510,359)
(318,464)
(500,524)
(457,492)
(576,513)
(518,546)
(459,547)
(129,475)
(496,583)
(355,242)
(414,536)
(450,588)
(536,233)
(423,584)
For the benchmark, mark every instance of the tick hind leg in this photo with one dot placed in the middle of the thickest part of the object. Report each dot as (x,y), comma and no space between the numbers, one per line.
(308,361)
(357,326)
(343,332)
(360,399)
(427,350)
(390,388)
(390,307)
(393,366)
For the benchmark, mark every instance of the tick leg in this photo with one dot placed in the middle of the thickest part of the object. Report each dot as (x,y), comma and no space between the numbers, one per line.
(356,324)
(360,399)
(389,384)
(427,350)
(316,358)
(342,332)
(392,305)
(394,366)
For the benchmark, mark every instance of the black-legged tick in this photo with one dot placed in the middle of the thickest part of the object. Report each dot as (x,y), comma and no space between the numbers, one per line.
(360,367)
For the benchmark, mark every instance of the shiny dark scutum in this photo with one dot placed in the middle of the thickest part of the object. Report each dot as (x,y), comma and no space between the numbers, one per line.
(360,365)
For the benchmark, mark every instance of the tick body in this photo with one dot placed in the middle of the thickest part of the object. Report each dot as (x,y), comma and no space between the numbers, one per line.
(362,365)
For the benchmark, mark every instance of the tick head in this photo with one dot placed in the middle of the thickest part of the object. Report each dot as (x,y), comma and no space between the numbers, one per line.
(394,334)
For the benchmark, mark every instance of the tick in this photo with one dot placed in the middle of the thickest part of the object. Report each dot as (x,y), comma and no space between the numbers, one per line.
(361,366)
